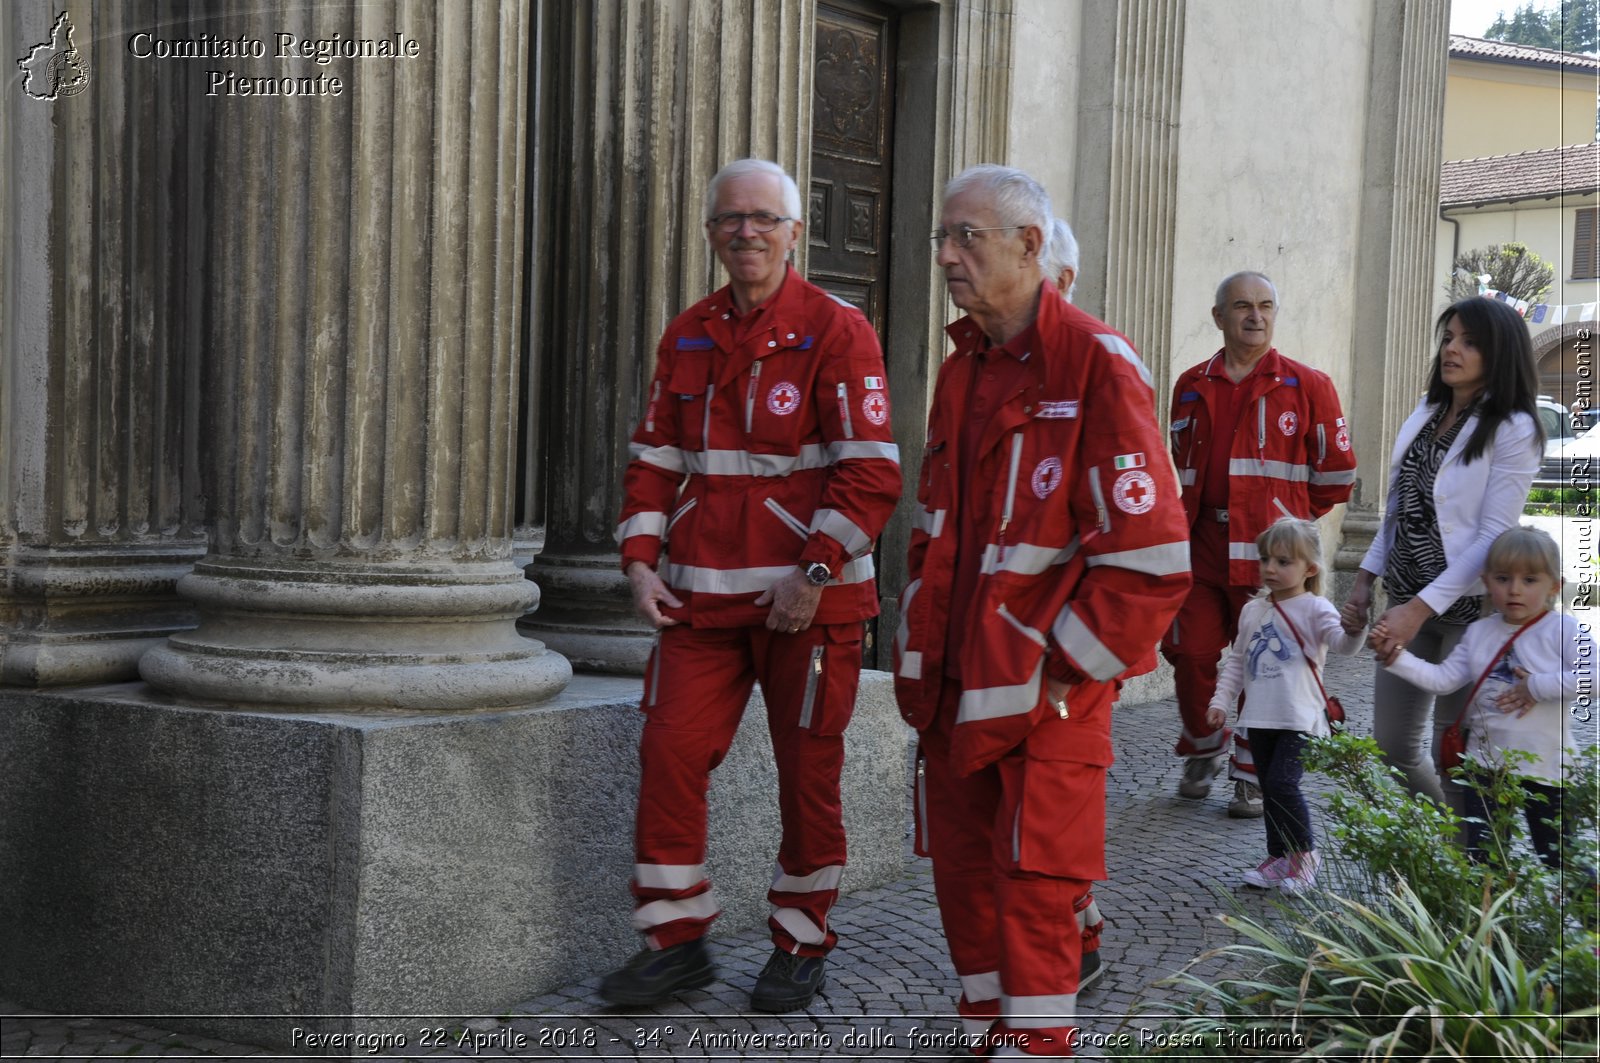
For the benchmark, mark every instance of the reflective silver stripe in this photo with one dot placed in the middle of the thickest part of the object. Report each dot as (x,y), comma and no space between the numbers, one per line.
(1117,345)
(854,451)
(980,987)
(750,398)
(751,580)
(1281,507)
(672,459)
(842,530)
(745,463)
(1186,477)
(1099,498)
(1039,1013)
(1026,558)
(1164,560)
(1085,647)
(1089,916)
(911,664)
(799,926)
(1348,476)
(650,416)
(931,522)
(992,703)
(1281,470)
(654,914)
(1322,442)
(668,876)
(1243,552)
(649,523)
(844,410)
(1261,423)
(1011,487)
(813,683)
(677,514)
(824,878)
(788,518)
(1032,633)
(705,429)
(1016,835)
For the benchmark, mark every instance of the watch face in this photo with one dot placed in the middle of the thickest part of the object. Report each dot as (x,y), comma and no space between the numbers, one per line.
(818,573)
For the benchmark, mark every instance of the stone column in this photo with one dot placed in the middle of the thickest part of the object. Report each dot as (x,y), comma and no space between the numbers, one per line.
(98,517)
(645,101)
(360,372)
(1393,276)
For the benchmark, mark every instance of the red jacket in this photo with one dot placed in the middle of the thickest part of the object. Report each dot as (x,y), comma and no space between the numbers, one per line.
(1292,447)
(760,455)
(1086,558)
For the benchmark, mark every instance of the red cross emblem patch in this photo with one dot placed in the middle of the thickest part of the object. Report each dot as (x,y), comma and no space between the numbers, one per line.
(783,399)
(875,408)
(1134,492)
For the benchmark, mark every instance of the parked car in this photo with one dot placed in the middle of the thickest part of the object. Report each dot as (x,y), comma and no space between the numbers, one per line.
(1558,425)
(1572,461)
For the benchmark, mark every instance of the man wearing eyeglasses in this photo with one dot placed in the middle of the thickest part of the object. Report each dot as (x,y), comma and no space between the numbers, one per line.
(1049,553)
(766,467)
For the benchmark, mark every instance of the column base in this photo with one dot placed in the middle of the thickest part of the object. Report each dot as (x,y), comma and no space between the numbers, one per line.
(360,636)
(588,614)
(165,859)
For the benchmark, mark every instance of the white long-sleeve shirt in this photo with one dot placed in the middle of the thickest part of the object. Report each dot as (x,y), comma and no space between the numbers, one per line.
(1267,664)
(1558,656)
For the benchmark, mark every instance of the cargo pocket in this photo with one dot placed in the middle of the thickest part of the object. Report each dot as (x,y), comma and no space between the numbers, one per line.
(690,387)
(1057,811)
(832,673)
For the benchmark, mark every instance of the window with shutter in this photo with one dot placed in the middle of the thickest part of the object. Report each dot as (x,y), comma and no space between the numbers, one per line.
(1585,247)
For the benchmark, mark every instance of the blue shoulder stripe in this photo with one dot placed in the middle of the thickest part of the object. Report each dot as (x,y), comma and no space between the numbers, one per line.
(1188,396)
(1291,381)
(806,346)
(704,343)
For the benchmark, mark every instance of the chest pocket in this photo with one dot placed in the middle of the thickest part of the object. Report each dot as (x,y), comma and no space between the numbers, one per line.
(777,400)
(690,387)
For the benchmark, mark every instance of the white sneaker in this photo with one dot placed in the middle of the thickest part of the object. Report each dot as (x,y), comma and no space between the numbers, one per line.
(1267,874)
(1302,873)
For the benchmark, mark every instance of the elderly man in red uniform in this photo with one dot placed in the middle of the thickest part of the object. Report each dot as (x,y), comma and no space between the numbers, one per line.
(1255,436)
(1049,553)
(766,466)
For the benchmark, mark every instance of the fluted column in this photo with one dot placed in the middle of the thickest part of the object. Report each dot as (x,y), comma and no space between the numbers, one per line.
(1393,276)
(363,305)
(99,516)
(642,102)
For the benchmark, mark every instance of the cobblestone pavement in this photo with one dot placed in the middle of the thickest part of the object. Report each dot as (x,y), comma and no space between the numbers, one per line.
(891,992)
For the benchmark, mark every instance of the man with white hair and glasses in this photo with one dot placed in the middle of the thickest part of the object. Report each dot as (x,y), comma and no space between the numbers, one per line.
(1049,553)
(765,466)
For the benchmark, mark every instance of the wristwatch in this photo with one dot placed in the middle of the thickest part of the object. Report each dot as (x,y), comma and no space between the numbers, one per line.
(818,573)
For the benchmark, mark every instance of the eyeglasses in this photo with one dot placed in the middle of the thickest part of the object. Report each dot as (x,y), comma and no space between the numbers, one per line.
(963,234)
(762,221)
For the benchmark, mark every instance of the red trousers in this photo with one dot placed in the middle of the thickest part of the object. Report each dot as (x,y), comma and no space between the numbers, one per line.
(1207,624)
(697,684)
(1015,847)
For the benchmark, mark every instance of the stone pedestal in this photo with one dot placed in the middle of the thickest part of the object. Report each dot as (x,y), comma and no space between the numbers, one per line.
(361,372)
(182,861)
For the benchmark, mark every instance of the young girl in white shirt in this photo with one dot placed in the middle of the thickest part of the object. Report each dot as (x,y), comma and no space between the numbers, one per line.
(1529,664)
(1285,633)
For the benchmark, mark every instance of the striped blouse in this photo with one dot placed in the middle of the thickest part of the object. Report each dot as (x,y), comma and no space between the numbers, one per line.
(1418,554)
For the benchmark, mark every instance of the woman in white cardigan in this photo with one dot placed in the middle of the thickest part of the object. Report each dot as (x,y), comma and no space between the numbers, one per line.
(1458,477)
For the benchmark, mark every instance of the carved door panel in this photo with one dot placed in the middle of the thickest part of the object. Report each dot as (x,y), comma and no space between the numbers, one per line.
(852,136)
(847,220)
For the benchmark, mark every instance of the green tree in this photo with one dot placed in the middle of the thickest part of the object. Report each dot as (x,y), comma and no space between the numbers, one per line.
(1512,268)
(1570,26)
(1528,25)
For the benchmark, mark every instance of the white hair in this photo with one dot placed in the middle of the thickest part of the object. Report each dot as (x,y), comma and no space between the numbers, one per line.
(1060,254)
(1018,198)
(1227,282)
(750,168)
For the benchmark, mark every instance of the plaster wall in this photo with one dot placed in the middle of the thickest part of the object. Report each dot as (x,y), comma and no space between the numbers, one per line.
(1044,108)
(1490,109)
(1546,229)
(1260,187)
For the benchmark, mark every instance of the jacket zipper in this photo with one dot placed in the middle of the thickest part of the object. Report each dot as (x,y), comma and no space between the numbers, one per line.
(1099,499)
(705,429)
(1322,443)
(844,410)
(921,816)
(1011,488)
(1261,429)
(813,679)
(655,673)
(750,399)
(678,515)
(788,518)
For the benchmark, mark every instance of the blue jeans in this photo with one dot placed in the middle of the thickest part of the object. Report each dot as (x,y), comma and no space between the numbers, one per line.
(1288,818)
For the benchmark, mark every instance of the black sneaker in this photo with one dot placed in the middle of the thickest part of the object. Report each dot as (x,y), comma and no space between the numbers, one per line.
(787,982)
(1089,970)
(653,975)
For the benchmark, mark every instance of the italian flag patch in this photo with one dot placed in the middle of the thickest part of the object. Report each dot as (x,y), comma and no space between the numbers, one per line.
(1130,461)
(873,383)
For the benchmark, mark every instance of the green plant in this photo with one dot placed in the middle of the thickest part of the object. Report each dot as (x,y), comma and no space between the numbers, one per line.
(1512,268)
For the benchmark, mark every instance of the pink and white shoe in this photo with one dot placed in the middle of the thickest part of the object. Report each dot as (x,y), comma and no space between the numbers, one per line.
(1302,873)
(1267,874)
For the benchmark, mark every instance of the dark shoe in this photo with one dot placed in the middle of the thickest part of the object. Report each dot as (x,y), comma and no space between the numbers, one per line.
(1198,773)
(653,975)
(787,982)
(1089,970)
(1246,803)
